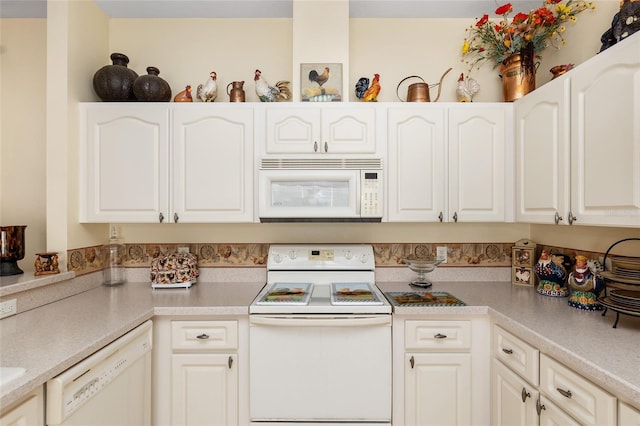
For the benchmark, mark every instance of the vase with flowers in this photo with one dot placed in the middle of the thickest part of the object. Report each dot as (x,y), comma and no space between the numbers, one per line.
(515,43)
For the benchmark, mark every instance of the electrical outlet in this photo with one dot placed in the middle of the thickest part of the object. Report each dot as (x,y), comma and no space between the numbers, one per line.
(183,249)
(8,308)
(441,253)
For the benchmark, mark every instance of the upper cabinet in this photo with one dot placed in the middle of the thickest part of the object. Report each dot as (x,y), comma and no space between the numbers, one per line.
(329,129)
(450,163)
(578,144)
(155,163)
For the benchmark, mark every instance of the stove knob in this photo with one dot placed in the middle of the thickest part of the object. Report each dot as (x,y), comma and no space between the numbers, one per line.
(364,258)
(277,257)
(348,255)
(292,254)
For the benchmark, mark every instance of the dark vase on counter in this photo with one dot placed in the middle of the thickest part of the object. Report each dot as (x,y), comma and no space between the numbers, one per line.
(114,83)
(11,249)
(151,87)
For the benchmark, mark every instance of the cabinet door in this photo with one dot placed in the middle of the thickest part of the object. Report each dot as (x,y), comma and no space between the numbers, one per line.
(513,400)
(417,180)
(124,171)
(212,164)
(204,389)
(478,164)
(605,137)
(627,415)
(551,415)
(437,389)
(542,154)
(293,131)
(348,130)
(30,412)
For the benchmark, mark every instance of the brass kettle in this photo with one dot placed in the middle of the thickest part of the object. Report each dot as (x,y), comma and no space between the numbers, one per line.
(237,92)
(419,92)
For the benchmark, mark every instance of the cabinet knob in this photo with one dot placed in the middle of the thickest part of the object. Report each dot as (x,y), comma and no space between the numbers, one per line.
(161,217)
(507,351)
(230,361)
(441,217)
(315,146)
(175,217)
(326,146)
(539,407)
(525,394)
(455,216)
(412,361)
(565,393)
(571,218)
(440,336)
(202,336)
(557,218)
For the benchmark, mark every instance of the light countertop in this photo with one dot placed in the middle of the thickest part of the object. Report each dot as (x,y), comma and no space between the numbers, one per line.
(49,339)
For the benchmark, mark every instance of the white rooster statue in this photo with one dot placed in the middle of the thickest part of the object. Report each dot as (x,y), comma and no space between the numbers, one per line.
(208,92)
(466,88)
(279,92)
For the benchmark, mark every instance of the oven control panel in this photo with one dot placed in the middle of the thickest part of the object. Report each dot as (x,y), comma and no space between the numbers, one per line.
(321,256)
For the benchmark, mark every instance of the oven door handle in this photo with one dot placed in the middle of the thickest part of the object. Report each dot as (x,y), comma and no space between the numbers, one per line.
(337,321)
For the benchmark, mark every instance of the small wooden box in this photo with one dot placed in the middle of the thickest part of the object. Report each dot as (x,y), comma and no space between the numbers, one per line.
(523,259)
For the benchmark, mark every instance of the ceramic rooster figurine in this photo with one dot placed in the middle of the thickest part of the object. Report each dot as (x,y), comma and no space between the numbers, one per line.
(208,92)
(368,93)
(551,275)
(279,92)
(184,96)
(466,89)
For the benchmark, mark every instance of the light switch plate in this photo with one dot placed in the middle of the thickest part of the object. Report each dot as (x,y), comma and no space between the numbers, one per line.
(8,308)
(441,253)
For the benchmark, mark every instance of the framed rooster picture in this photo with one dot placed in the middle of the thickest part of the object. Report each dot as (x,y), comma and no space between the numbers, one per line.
(321,82)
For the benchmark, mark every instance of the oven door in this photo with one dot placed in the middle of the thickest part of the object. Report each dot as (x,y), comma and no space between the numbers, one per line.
(319,368)
(307,194)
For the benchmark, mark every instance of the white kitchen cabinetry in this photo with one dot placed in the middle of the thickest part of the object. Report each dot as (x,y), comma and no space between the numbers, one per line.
(212,163)
(124,163)
(439,378)
(158,163)
(577,144)
(627,415)
(514,400)
(328,129)
(27,412)
(196,372)
(450,163)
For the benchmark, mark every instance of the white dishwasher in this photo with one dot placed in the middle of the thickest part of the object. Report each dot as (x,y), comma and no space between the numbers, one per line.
(111,387)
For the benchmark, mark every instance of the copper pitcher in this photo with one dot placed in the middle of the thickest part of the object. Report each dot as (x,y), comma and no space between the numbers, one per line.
(237,91)
(419,92)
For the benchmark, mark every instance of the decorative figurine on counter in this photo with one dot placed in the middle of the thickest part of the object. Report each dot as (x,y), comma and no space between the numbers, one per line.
(184,96)
(46,264)
(466,89)
(366,92)
(278,93)
(585,285)
(208,92)
(551,275)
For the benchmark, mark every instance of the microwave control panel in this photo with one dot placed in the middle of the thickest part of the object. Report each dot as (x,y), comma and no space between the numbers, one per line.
(371,199)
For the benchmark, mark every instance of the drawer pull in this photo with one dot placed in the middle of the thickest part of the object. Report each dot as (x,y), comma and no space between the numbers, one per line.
(412,361)
(507,351)
(525,395)
(202,336)
(565,393)
(539,407)
(440,336)
(230,361)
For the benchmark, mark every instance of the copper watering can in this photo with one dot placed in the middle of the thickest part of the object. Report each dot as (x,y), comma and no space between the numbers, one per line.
(237,93)
(419,92)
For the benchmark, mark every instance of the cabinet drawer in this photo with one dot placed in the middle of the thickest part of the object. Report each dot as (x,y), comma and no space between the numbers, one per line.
(583,400)
(204,335)
(438,335)
(516,354)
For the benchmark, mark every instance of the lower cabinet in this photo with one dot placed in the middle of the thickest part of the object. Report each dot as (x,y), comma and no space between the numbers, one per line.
(514,400)
(196,372)
(438,371)
(28,412)
(627,415)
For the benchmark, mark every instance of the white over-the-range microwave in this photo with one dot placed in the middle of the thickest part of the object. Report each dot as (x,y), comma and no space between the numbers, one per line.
(320,190)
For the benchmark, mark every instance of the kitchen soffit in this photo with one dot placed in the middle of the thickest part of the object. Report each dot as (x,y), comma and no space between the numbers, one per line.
(268,8)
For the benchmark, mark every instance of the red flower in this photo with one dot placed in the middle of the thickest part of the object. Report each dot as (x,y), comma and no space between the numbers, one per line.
(482,20)
(505,8)
(520,17)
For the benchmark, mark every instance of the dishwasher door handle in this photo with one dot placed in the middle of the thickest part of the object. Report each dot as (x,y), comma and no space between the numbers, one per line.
(338,321)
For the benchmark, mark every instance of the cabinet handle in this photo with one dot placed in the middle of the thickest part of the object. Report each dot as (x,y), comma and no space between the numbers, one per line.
(557,218)
(565,393)
(440,336)
(412,361)
(202,336)
(539,407)
(507,351)
(161,217)
(571,218)
(326,146)
(175,217)
(315,146)
(455,216)
(230,361)
(441,217)
(525,394)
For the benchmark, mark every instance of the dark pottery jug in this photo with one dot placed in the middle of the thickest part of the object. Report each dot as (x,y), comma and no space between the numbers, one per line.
(151,87)
(114,83)
(11,249)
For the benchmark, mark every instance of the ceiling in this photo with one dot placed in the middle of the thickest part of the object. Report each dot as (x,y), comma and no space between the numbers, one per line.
(269,8)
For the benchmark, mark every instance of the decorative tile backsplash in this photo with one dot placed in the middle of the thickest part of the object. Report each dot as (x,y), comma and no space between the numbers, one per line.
(214,255)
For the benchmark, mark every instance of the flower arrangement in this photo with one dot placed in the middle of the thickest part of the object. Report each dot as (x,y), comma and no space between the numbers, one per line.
(496,41)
